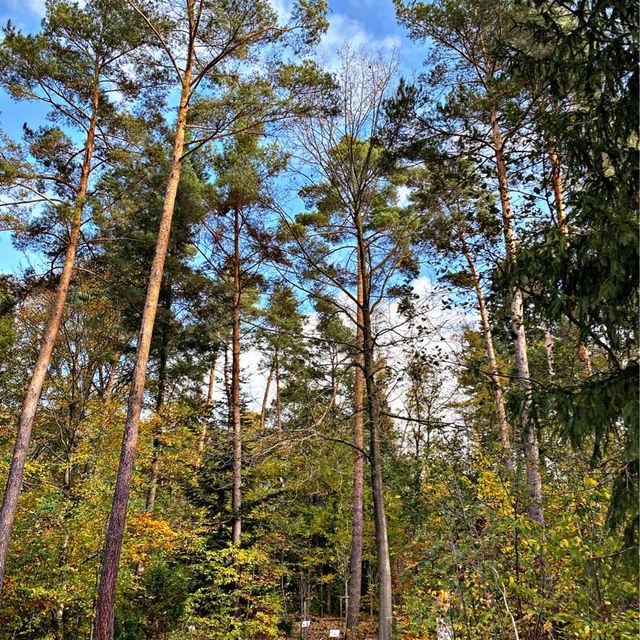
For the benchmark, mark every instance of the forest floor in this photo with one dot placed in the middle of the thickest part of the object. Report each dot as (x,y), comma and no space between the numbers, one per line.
(320,628)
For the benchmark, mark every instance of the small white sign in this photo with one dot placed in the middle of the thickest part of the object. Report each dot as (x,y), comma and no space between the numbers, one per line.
(306,624)
(334,633)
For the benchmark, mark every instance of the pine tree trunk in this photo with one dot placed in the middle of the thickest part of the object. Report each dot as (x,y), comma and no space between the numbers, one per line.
(558,191)
(105,606)
(34,389)
(265,397)
(357,508)
(496,386)
(236,498)
(385,603)
(530,435)
(557,183)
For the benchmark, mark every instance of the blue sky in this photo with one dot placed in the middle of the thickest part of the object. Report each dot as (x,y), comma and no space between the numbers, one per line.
(367,23)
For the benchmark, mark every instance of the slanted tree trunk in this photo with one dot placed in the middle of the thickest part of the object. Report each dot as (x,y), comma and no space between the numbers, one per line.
(34,389)
(113,544)
(496,386)
(385,603)
(265,397)
(357,507)
(519,337)
(236,496)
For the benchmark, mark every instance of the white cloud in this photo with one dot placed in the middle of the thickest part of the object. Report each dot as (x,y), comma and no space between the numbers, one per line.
(282,8)
(403,195)
(344,30)
(36,7)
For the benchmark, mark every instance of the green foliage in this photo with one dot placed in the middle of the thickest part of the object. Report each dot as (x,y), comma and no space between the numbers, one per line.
(465,554)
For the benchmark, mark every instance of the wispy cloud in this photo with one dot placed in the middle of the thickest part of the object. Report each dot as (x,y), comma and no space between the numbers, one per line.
(344,30)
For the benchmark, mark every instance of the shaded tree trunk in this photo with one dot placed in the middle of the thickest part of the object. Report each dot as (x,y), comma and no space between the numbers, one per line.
(518,335)
(236,497)
(496,386)
(113,544)
(162,381)
(557,183)
(357,519)
(36,383)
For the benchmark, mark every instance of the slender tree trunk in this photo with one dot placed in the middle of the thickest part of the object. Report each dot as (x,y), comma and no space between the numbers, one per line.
(265,397)
(530,435)
(278,405)
(113,544)
(212,380)
(236,498)
(548,347)
(34,389)
(357,516)
(227,381)
(557,183)
(111,380)
(385,602)
(496,385)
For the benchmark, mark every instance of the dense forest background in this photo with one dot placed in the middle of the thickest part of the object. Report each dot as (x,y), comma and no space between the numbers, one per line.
(340,339)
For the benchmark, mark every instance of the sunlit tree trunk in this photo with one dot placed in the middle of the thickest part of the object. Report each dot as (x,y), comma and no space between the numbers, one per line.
(36,383)
(115,531)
